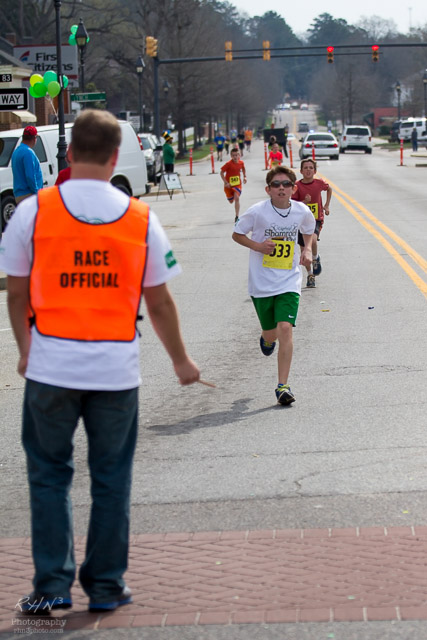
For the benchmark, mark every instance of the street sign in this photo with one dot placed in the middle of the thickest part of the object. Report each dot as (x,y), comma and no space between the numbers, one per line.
(13,99)
(5,77)
(88,97)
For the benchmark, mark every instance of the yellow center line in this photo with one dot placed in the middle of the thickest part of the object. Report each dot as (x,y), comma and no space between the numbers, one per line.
(419,282)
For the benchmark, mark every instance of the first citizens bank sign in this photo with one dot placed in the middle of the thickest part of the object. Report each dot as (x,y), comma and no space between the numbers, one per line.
(42,58)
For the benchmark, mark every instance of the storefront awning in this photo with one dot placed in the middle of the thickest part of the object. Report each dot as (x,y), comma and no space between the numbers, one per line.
(25,116)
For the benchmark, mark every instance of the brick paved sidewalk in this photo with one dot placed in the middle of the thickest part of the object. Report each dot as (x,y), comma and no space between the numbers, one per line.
(236,577)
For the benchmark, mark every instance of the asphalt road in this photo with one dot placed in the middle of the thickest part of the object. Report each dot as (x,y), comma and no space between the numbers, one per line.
(351,451)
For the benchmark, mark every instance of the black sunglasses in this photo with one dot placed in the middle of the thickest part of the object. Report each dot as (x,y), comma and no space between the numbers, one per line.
(281,183)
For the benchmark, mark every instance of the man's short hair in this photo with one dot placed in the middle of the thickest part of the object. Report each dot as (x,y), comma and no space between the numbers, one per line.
(309,160)
(280,169)
(95,136)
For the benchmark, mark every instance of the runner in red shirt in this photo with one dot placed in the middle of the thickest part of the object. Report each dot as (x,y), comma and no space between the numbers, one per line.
(230,175)
(309,190)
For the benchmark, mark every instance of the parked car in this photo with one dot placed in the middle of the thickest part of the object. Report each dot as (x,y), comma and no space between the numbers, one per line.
(304,106)
(325,145)
(153,155)
(356,138)
(303,127)
(130,172)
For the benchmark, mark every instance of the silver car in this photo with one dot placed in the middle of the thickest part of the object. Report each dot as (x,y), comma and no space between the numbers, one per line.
(325,145)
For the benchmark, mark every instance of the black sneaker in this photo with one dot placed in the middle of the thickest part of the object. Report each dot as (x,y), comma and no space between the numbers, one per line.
(37,605)
(284,394)
(311,282)
(317,267)
(266,347)
(124,598)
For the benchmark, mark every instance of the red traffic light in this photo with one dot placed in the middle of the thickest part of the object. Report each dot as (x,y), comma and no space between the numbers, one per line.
(330,54)
(375,52)
(330,49)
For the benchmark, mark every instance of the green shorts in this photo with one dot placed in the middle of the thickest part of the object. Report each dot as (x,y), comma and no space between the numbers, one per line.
(274,309)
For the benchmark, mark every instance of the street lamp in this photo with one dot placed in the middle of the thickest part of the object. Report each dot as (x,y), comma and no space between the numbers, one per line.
(140,66)
(62,143)
(425,89)
(81,39)
(398,91)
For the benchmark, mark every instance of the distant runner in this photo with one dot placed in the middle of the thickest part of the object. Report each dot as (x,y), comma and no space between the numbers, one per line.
(231,176)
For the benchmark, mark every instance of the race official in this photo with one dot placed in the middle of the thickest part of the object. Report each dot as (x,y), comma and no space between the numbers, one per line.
(78,258)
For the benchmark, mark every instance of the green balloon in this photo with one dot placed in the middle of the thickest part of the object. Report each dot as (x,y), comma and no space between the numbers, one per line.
(33,93)
(39,89)
(74,29)
(64,82)
(50,76)
(72,40)
(53,88)
(36,77)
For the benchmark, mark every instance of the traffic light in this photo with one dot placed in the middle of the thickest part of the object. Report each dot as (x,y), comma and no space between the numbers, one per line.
(266,54)
(330,54)
(151,46)
(375,53)
(228,51)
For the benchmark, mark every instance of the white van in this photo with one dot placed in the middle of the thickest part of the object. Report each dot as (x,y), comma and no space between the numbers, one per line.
(130,173)
(406,126)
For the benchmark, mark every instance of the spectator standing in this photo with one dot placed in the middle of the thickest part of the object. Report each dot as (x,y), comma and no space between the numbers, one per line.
(414,139)
(26,169)
(168,155)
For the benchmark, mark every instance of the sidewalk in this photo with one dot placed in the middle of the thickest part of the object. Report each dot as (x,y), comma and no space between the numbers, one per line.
(247,577)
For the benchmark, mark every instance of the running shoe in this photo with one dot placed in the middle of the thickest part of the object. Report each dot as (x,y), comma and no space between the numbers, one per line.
(311,282)
(284,394)
(317,267)
(125,597)
(266,347)
(236,219)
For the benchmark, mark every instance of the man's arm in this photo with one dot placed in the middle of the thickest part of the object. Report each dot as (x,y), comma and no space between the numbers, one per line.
(222,175)
(165,320)
(18,303)
(265,247)
(306,255)
(30,173)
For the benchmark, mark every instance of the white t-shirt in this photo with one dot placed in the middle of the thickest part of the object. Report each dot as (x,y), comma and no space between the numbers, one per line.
(69,363)
(265,221)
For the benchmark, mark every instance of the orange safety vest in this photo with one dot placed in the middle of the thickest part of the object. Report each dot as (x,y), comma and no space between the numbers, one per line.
(86,279)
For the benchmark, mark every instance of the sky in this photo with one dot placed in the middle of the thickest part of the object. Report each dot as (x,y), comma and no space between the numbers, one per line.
(299,17)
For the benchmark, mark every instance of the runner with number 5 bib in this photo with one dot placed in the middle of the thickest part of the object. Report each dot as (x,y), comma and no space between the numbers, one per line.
(274,266)
(309,190)
(231,173)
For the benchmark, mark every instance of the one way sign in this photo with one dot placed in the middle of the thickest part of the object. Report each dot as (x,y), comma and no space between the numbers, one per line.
(13,99)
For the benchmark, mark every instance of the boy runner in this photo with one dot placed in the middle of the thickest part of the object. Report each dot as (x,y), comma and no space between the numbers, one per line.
(275,156)
(230,175)
(309,190)
(274,271)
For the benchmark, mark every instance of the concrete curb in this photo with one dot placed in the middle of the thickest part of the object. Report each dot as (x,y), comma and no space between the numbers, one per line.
(3,281)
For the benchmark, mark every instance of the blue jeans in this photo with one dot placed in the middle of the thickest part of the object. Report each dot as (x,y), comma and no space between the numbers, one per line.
(50,418)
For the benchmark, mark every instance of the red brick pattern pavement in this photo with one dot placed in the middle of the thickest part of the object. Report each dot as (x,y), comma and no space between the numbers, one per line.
(236,577)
